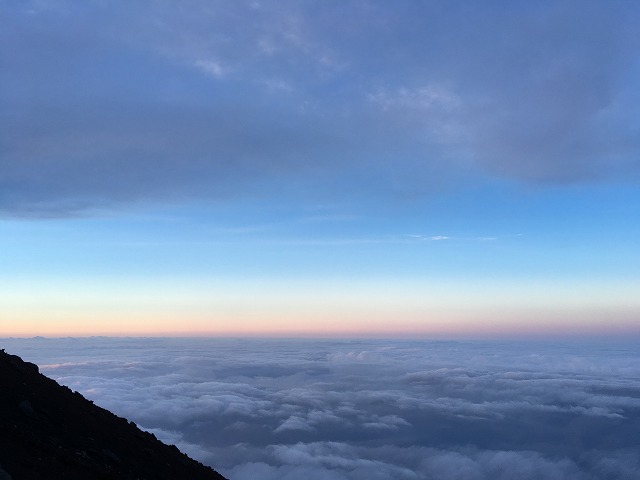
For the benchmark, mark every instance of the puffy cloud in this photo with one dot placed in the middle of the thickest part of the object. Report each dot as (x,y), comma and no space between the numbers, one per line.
(294,423)
(368,409)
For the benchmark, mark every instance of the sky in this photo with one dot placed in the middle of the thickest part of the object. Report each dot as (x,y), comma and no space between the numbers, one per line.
(305,168)
(376,409)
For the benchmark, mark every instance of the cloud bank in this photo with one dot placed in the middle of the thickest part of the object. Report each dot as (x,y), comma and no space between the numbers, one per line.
(333,410)
(108,105)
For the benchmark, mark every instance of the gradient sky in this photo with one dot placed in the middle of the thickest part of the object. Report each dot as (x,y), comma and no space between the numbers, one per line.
(319,168)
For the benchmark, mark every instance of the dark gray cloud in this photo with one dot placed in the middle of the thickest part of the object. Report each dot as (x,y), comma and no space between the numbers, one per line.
(369,409)
(104,104)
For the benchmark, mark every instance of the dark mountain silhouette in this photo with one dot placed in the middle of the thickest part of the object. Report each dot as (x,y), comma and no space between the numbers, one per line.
(48,431)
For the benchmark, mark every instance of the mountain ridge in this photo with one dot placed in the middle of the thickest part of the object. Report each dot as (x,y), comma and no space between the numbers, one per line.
(49,431)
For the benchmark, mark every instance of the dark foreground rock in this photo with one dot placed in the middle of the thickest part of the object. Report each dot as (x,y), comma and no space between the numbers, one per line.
(49,432)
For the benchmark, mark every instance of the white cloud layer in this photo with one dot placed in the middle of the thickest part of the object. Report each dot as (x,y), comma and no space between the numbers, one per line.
(287,409)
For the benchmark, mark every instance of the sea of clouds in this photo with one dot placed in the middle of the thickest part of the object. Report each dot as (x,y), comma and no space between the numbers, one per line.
(368,409)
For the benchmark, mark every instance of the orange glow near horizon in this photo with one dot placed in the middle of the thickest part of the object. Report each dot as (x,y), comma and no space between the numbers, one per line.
(454,325)
(370,309)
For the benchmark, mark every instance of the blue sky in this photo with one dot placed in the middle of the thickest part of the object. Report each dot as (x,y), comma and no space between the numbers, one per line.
(319,168)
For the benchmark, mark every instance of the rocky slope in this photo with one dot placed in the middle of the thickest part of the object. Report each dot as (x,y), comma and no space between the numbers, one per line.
(49,432)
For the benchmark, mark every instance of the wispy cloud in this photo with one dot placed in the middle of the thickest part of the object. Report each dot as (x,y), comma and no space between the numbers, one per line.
(211,67)
(540,95)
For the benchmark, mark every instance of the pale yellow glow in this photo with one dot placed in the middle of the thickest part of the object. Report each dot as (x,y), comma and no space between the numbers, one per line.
(258,307)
